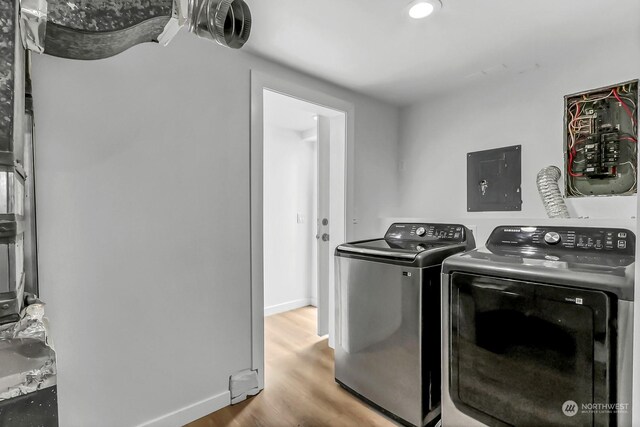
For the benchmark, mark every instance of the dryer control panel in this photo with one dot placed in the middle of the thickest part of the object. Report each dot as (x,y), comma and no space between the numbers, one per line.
(615,240)
(427,232)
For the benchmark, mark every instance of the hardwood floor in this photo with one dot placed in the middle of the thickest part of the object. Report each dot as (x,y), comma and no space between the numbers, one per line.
(299,385)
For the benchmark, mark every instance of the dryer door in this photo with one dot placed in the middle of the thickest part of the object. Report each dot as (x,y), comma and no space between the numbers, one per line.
(520,351)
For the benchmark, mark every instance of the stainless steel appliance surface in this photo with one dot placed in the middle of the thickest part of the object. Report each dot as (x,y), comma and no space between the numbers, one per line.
(388,318)
(538,329)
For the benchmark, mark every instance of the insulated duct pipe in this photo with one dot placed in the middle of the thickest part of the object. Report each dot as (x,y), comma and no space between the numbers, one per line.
(12,84)
(96,29)
(547,182)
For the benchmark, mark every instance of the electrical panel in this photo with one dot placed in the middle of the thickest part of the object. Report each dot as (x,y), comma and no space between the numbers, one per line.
(493,180)
(601,141)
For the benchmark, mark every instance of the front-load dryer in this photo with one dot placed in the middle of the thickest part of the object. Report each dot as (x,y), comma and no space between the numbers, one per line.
(538,329)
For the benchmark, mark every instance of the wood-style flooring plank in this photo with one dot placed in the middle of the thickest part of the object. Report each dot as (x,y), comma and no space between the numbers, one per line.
(300,390)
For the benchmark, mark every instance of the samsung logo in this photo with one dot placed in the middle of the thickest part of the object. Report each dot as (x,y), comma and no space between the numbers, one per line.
(520,230)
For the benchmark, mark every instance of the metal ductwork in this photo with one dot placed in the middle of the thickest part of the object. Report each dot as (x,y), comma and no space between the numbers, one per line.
(90,29)
(12,81)
(15,169)
(227,22)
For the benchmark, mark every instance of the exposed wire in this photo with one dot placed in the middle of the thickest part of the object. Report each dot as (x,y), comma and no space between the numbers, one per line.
(571,124)
(581,127)
(630,100)
(571,158)
(625,106)
(635,174)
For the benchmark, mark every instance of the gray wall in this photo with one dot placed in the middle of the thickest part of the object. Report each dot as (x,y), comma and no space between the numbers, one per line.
(143,206)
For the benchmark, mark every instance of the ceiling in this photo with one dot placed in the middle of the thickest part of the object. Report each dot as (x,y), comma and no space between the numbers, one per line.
(293,114)
(373,47)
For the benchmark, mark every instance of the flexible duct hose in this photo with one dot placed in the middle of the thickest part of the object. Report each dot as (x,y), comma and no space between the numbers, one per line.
(547,182)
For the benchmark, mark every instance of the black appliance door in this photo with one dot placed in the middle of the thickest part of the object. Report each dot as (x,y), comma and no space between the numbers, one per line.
(521,350)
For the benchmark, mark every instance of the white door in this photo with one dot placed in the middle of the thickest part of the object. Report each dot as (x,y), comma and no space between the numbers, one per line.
(323,227)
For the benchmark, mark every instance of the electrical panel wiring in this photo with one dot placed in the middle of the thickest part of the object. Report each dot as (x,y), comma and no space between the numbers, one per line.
(601,141)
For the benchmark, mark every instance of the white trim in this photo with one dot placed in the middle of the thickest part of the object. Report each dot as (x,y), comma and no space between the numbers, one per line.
(192,412)
(287,306)
(259,82)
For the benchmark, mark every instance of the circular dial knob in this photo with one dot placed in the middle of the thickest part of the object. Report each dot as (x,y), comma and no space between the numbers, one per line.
(552,238)
(421,231)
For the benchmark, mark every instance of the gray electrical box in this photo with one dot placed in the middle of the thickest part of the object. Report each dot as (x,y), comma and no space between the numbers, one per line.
(601,141)
(493,180)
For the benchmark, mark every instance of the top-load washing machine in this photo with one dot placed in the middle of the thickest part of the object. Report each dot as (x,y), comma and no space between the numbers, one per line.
(388,318)
(537,329)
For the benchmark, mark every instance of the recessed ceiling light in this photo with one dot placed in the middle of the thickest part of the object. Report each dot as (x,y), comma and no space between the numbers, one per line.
(422,8)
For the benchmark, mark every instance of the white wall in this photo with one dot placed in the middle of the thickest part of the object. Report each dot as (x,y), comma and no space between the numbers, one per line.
(376,189)
(144,222)
(289,190)
(499,111)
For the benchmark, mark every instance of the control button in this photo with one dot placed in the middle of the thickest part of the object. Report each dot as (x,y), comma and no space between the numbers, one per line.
(622,235)
(552,238)
(421,231)
(622,244)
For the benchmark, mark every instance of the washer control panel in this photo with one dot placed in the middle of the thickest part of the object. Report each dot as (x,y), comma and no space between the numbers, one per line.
(427,232)
(616,240)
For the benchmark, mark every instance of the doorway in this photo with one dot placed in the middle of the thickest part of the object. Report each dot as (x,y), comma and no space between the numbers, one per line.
(303,178)
(299,184)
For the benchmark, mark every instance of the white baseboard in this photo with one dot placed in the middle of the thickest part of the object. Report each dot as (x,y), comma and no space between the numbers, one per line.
(291,305)
(190,413)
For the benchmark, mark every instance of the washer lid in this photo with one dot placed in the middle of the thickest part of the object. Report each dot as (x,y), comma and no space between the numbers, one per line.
(390,248)
(412,244)
(418,254)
